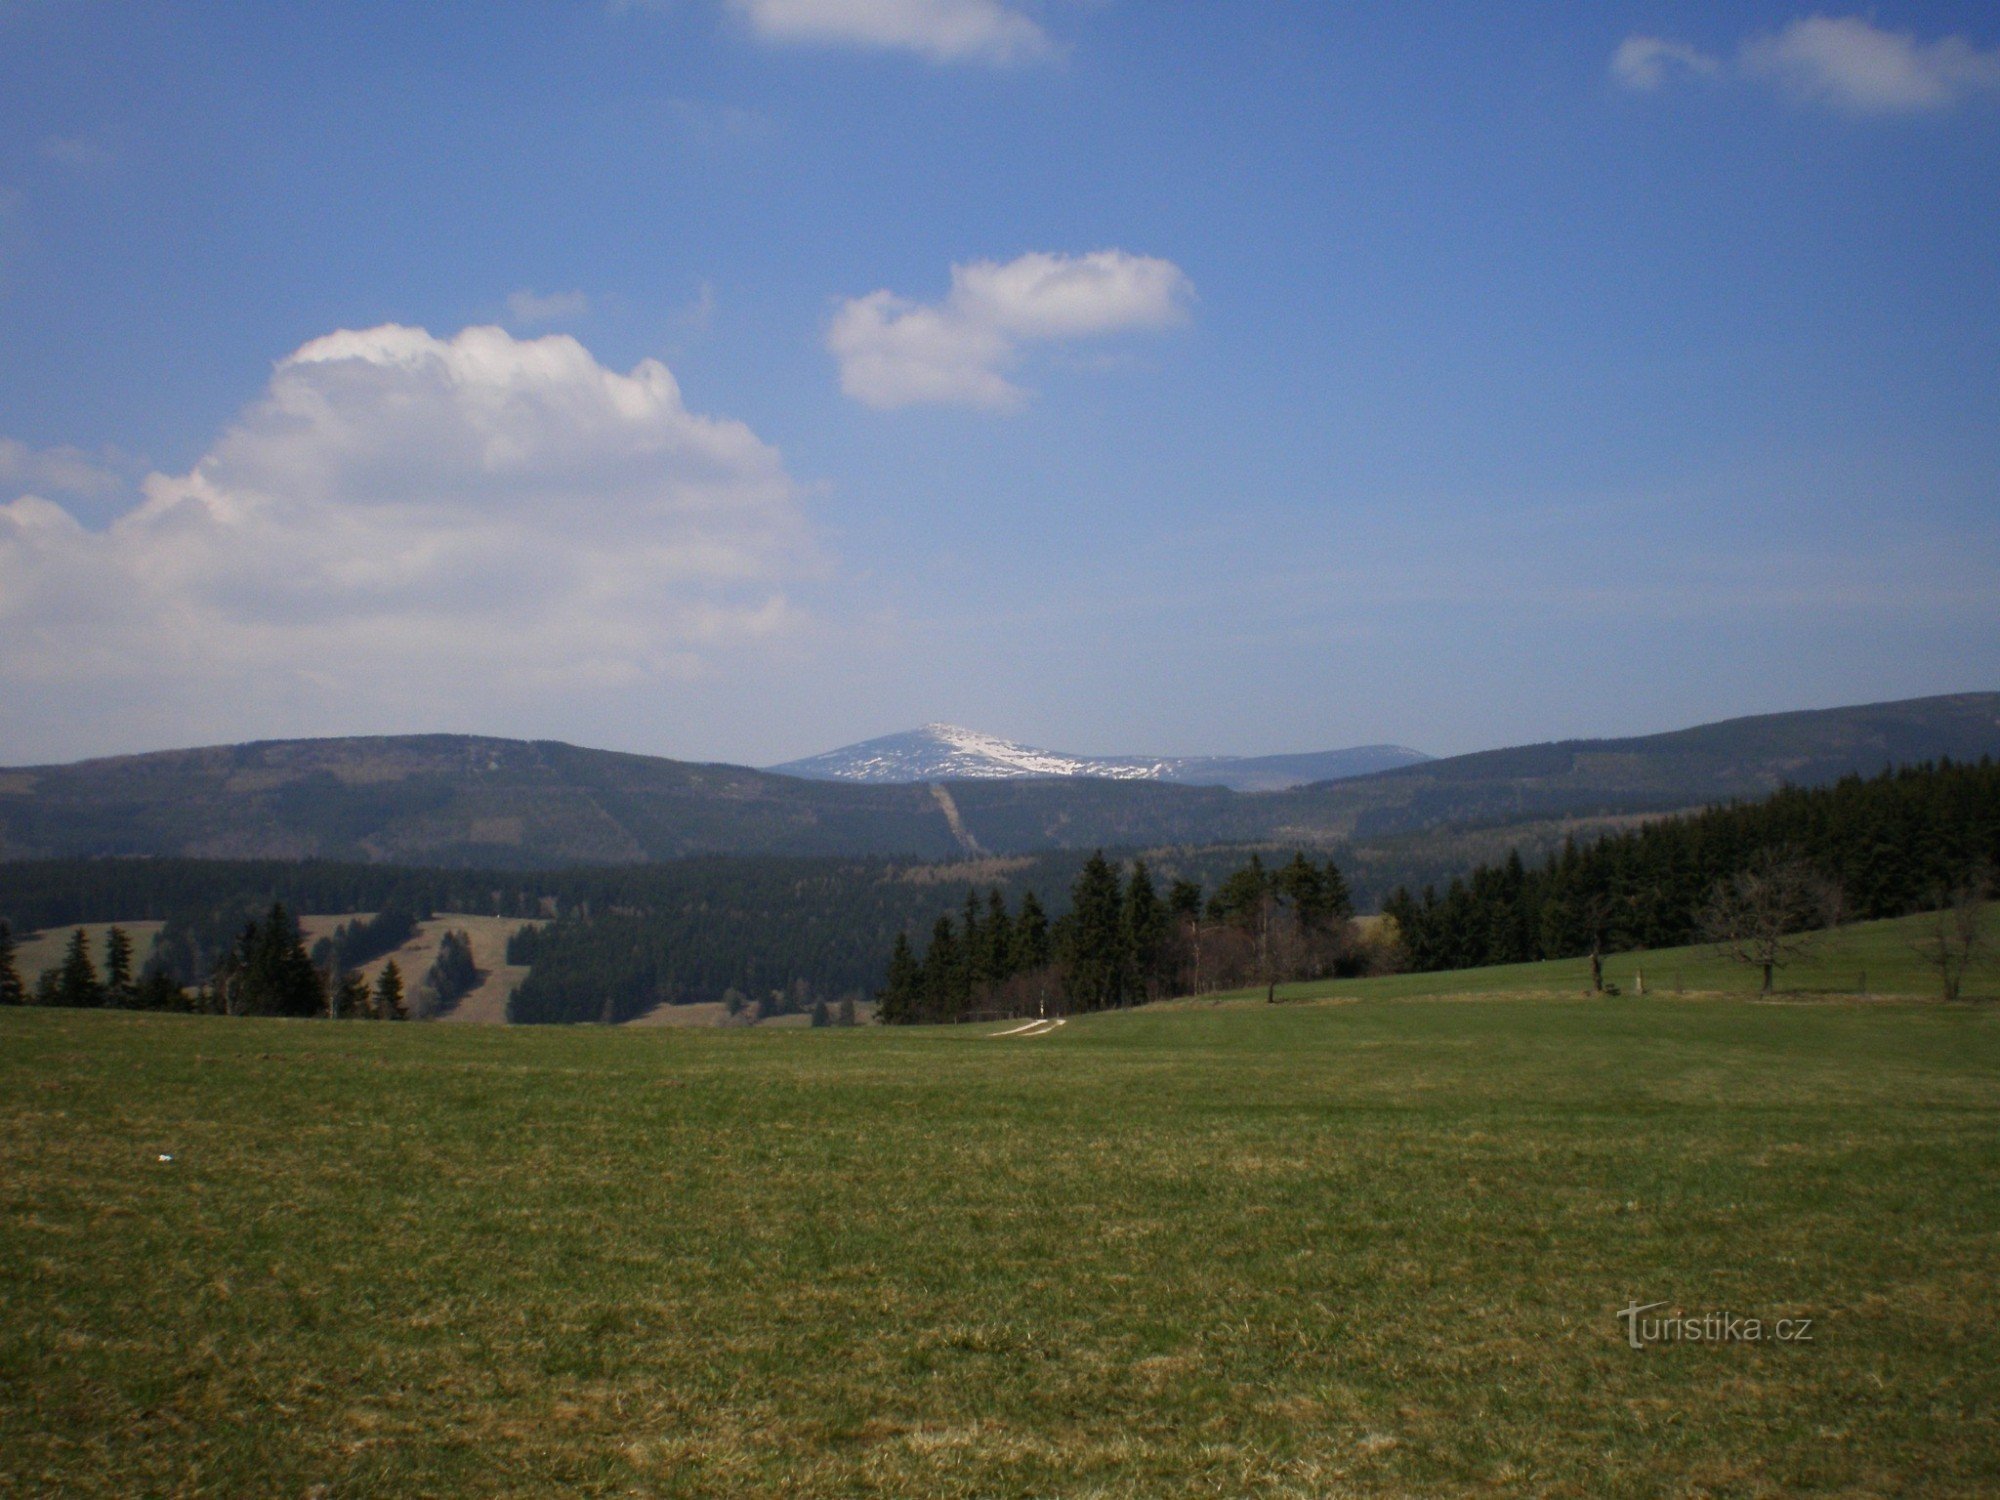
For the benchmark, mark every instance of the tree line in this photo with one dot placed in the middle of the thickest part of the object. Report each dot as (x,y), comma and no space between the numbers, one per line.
(1123,942)
(1863,848)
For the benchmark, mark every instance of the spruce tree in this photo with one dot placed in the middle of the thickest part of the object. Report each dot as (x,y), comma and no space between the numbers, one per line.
(1339,899)
(1184,909)
(77,984)
(898,1003)
(453,974)
(350,996)
(12,991)
(973,953)
(1405,919)
(1098,952)
(1242,899)
(944,986)
(389,994)
(268,972)
(1302,884)
(158,990)
(1033,950)
(999,929)
(117,967)
(1147,929)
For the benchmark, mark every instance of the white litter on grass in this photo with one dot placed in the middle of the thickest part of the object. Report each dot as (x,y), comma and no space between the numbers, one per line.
(1032,1028)
(165,1157)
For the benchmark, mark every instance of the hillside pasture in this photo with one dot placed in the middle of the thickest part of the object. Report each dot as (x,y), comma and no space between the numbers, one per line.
(1365,1248)
(498,979)
(1866,960)
(37,951)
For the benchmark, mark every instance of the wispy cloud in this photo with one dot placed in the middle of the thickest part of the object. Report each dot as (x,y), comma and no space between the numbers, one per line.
(944,31)
(526,308)
(80,153)
(1841,62)
(699,314)
(894,352)
(1852,65)
(1643,62)
(67,471)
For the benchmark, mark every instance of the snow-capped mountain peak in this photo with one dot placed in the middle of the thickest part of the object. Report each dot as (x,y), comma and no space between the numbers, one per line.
(950,752)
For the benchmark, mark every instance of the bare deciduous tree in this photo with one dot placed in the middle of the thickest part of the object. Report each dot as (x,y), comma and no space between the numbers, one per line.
(1771,913)
(1955,939)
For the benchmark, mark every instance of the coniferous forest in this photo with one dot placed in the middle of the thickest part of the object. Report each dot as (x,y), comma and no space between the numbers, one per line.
(1879,847)
(1123,941)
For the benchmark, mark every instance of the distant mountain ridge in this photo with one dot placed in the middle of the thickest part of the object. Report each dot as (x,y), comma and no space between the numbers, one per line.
(466,801)
(946,752)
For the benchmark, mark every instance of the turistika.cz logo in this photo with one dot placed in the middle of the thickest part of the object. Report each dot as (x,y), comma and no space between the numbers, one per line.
(1709,1328)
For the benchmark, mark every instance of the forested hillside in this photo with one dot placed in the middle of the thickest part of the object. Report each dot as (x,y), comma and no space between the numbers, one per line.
(1737,759)
(627,938)
(1879,847)
(458,801)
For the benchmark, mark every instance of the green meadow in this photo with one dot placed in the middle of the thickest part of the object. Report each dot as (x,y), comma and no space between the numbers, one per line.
(1372,1245)
(1864,960)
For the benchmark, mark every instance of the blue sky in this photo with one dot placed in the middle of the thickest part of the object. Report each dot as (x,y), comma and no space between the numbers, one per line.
(1115,376)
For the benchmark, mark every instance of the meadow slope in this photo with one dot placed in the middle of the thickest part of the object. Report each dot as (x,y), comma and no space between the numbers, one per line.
(1862,960)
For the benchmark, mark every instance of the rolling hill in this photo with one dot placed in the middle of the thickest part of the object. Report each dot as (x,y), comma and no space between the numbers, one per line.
(1711,763)
(456,800)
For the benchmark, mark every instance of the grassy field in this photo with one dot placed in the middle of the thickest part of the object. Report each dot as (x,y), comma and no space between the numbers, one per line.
(1864,960)
(1350,1248)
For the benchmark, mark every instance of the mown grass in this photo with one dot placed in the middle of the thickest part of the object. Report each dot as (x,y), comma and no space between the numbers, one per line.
(1355,1248)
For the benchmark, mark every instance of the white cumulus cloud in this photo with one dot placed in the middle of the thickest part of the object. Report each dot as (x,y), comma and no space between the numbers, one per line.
(894,352)
(945,31)
(1844,62)
(406,528)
